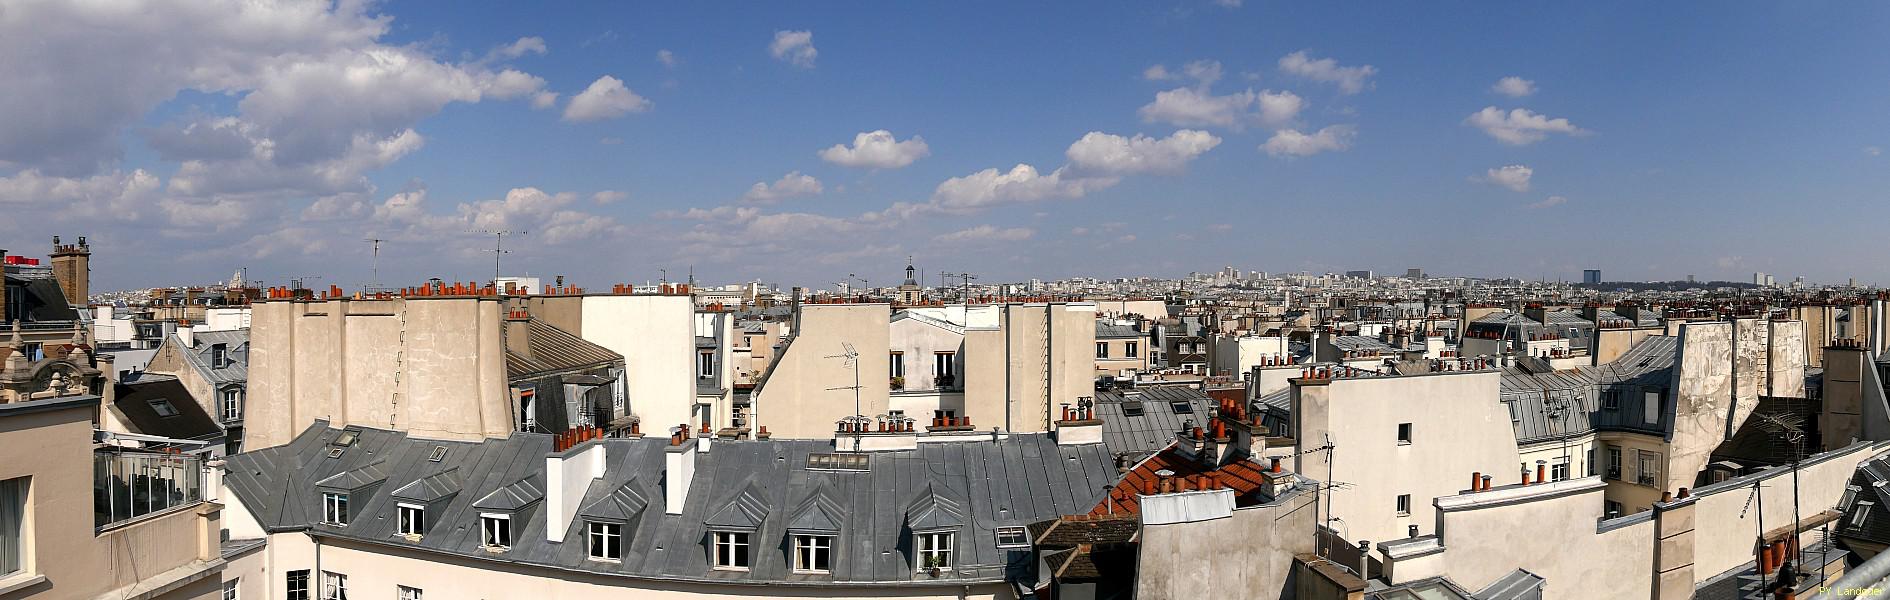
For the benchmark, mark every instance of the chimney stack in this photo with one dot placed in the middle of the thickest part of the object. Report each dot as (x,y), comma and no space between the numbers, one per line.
(679,469)
(567,475)
(72,267)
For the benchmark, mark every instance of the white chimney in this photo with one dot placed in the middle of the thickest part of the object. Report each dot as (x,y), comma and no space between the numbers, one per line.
(187,336)
(567,475)
(679,469)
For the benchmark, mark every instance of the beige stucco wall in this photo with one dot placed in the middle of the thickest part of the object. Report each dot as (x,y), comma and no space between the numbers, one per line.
(1627,490)
(1554,537)
(1458,427)
(434,367)
(1705,412)
(795,400)
(54,449)
(169,360)
(1611,343)
(1724,540)
(656,336)
(920,342)
(1236,356)
(1247,555)
(1785,361)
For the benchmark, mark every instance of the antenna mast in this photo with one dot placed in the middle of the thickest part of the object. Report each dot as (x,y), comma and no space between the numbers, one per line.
(498,249)
(376,284)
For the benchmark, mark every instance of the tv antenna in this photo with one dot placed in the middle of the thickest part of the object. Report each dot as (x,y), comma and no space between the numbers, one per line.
(967,278)
(498,248)
(295,281)
(377,261)
(851,359)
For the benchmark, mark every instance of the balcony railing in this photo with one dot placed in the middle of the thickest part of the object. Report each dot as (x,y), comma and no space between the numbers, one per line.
(127,486)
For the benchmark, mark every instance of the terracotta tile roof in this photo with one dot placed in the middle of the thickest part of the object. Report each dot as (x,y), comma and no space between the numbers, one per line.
(1079,530)
(1243,476)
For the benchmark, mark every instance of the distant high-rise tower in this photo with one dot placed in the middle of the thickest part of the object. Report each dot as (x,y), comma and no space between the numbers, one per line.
(1591,276)
(72,267)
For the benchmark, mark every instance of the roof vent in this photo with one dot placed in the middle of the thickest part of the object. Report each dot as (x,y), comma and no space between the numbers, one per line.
(438,454)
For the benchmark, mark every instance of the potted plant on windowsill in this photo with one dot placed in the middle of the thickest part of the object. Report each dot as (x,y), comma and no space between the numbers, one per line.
(934,566)
(898,383)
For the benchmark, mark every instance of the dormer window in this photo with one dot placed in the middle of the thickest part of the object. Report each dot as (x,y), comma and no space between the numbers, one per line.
(935,549)
(604,541)
(731,550)
(813,554)
(335,508)
(219,356)
(412,519)
(495,530)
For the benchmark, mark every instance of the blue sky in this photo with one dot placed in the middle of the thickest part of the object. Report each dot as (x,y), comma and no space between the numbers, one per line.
(1652,142)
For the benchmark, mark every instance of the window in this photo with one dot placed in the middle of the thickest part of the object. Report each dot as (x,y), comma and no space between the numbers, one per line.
(12,525)
(837,461)
(412,519)
(898,362)
(1861,514)
(143,483)
(1404,505)
(1614,509)
(1129,349)
(334,508)
(942,365)
(495,530)
(232,404)
(298,585)
(163,407)
(813,554)
(1181,408)
(1102,349)
(334,586)
(605,541)
(1614,462)
(229,589)
(1611,400)
(1013,537)
(1650,468)
(705,365)
(935,550)
(1558,471)
(1650,407)
(731,550)
(437,454)
(408,593)
(1404,434)
(219,356)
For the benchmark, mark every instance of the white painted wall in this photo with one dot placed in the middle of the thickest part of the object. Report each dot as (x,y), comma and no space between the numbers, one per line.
(656,336)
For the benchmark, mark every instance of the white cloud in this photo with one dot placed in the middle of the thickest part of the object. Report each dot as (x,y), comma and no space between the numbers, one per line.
(1514,87)
(512,83)
(1111,155)
(1022,183)
(1196,107)
(1228,3)
(795,48)
(524,46)
(877,149)
(544,100)
(667,58)
(788,186)
(1873,150)
(1548,202)
(986,233)
(1520,126)
(608,197)
(606,98)
(1203,72)
(1290,142)
(1351,80)
(1514,177)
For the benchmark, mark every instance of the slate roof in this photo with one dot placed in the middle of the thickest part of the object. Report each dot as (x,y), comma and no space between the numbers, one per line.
(1022,479)
(1111,331)
(1361,343)
(1872,480)
(1155,427)
(551,350)
(1566,318)
(1518,585)
(1584,390)
(133,402)
(236,343)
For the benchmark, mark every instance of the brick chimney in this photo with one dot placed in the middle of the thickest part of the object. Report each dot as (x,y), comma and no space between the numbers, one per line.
(72,267)
(518,335)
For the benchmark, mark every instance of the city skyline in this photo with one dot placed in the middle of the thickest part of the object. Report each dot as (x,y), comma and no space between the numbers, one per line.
(797,143)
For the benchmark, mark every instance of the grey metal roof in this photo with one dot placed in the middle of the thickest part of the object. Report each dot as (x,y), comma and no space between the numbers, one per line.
(1014,481)
(1566,318)
(1111,331)
(551,349)
(939,323)
(1155,427)
(1357,343)
(236,346)
(431,488)
(1584,392)
(1518,585)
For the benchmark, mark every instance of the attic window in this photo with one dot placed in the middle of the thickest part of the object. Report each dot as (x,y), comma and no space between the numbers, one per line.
(346,439)
(335,452)
(1181,407)
(163,407)
(1132,409)
(438,454)
(837,462)
(1013,537)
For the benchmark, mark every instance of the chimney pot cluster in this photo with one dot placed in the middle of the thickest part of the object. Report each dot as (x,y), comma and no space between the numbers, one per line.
(1081,413)
(564,441)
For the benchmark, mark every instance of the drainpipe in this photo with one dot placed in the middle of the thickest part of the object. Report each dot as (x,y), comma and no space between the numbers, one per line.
(319,581)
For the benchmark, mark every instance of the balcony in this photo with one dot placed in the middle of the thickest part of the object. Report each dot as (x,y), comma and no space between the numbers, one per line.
(946,382)
(130,486)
